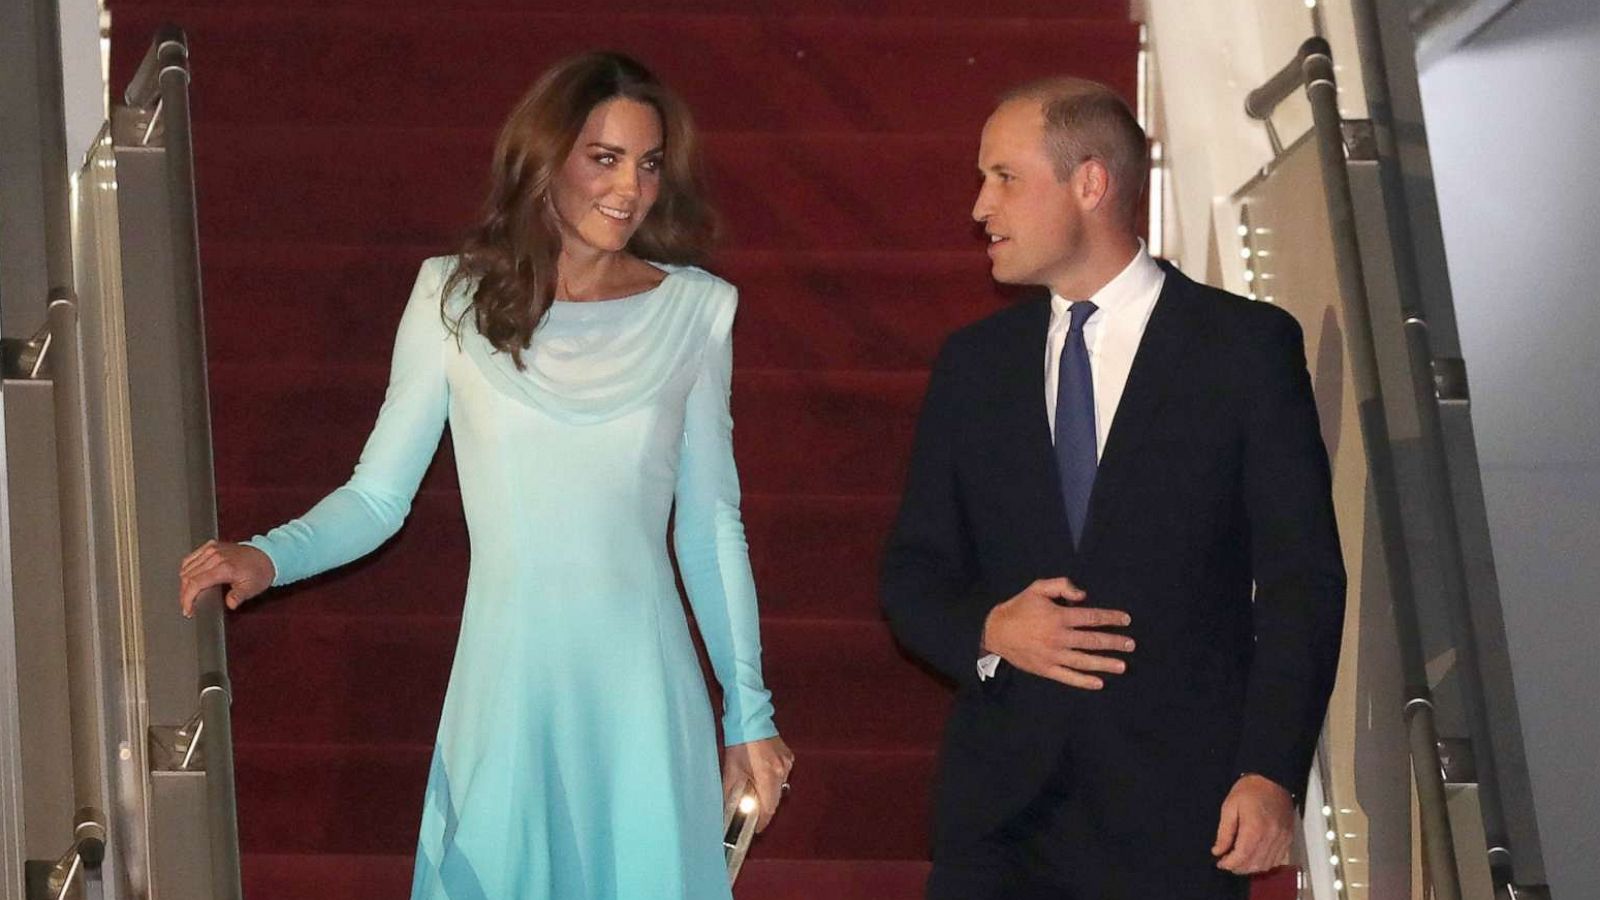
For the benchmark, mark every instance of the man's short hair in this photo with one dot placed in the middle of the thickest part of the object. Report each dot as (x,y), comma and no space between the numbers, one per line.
(1083,120)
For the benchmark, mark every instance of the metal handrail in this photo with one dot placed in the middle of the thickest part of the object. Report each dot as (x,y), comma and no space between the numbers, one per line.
(85,855)
(161,87)
(1494,720)
(1312,68)
(79,614)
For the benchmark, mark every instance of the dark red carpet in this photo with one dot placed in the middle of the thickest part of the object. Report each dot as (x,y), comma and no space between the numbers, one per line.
(339,143)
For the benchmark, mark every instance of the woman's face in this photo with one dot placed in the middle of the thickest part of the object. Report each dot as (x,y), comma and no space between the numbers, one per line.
(611,178)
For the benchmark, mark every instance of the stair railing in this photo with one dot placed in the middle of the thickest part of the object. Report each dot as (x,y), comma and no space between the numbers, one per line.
(1312,68)
(1490,757)
(160,88)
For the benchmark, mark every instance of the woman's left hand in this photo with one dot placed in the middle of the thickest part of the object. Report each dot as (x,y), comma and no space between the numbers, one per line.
(765,765)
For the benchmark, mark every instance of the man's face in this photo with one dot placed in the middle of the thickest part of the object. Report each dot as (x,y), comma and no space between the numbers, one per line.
(1034,225)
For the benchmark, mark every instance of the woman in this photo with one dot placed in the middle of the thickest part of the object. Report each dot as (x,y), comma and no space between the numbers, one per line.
(584,369)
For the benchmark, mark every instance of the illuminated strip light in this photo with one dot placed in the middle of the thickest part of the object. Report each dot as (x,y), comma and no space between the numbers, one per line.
(1158,198)
(1143,111)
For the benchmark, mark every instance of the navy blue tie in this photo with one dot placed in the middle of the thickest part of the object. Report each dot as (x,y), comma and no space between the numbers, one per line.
(1076,457)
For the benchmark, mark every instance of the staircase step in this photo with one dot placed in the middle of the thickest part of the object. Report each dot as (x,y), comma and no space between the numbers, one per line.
(781,192)
(818,556)
(834,879)
(367,799)
(343,876)
(347,876)
(745,71)
(305,303)
(381,679)
(326,876)
(813,556)
(1109,10)
(795,431)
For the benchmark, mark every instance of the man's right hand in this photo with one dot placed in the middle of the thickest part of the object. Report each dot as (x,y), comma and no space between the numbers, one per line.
(1039,636)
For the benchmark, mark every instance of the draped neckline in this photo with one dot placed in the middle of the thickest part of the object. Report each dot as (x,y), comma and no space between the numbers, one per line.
(594,360)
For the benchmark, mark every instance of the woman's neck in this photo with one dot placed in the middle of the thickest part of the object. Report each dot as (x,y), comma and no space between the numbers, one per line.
(592,275)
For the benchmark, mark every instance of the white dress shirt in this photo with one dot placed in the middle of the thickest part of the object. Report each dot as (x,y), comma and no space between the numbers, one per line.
(1112,335)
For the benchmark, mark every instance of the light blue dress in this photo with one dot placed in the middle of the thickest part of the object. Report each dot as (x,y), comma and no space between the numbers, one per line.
(576,751)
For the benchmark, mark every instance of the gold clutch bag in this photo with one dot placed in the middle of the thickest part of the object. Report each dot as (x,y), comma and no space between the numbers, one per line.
(738,827)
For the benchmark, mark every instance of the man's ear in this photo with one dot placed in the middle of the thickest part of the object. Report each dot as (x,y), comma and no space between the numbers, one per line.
(1091,185)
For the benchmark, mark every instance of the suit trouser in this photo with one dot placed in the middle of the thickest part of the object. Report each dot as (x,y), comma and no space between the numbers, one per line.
(1024,860)
(1007,865)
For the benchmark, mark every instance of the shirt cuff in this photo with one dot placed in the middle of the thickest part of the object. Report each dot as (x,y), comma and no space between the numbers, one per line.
(987,666)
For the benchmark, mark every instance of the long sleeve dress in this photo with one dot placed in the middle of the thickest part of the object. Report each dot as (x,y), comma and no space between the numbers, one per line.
(576,752)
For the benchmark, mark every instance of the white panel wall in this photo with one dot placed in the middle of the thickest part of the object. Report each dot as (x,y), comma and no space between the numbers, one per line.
(1206,58)
(82,77)
(1512,124)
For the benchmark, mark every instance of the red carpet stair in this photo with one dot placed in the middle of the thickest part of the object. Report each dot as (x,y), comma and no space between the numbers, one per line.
(337,145)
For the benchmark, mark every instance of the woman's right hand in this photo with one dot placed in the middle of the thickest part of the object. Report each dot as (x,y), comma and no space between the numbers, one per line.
(245,569)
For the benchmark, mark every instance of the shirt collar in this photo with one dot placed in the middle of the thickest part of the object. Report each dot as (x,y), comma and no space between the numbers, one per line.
(1139,278)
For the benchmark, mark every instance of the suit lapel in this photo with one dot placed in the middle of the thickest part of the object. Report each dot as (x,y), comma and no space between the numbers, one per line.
(1033,455)
(1156,371)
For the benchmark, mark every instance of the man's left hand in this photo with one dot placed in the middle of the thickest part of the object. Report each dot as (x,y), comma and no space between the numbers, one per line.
(1257,826)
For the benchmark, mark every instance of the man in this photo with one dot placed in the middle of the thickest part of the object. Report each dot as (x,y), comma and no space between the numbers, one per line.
(1117,537)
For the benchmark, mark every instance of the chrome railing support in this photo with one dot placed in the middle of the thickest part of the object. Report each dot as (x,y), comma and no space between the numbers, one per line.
(82,860)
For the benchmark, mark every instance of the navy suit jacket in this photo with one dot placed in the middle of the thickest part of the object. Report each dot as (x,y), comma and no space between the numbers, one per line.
(1210,523)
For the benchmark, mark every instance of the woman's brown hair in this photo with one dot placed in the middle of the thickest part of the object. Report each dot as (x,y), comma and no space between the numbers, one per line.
(511,252)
